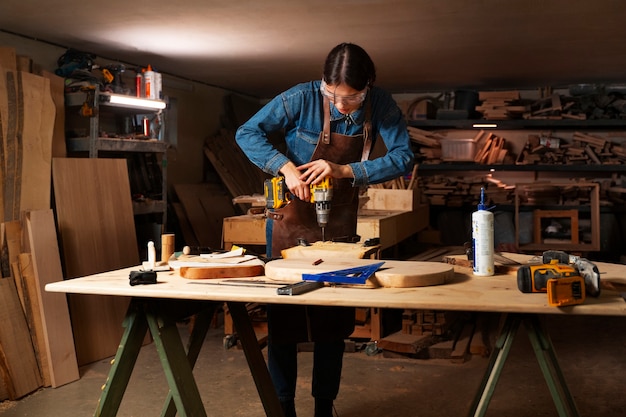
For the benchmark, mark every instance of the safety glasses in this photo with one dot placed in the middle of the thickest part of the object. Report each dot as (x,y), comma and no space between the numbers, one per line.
(353,99)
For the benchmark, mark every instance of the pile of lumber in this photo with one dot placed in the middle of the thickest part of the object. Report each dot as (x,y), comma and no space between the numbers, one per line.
(554,107)
(459,191)
(506,105)
(492,150)
(582,149)
(430,334)
(36,342)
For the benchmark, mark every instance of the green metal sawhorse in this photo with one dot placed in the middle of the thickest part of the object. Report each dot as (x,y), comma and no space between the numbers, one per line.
(544,351)
(159,316)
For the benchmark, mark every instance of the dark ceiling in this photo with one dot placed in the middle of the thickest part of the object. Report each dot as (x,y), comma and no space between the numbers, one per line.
(263,47)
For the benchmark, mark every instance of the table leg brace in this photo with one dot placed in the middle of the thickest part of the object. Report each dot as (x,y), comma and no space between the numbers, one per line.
(544,351)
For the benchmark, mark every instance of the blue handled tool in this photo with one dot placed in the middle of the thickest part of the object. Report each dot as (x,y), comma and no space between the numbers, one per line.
(356,275)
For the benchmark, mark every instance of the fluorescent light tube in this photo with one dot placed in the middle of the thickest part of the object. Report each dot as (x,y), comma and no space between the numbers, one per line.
(133,102)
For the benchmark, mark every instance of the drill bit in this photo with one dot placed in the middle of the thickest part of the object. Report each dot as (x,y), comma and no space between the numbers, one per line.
(323,230)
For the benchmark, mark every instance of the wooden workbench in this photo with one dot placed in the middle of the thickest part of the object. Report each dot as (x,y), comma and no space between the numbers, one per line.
(464,292)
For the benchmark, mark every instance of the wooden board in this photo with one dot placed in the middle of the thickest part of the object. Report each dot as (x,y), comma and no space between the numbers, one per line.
(57,92)
(97,230)
(53,309)
(10,129)
(38,126)
(230,271)
(329,250)
(197,267)
(393,274)
(18,364)
(32,308)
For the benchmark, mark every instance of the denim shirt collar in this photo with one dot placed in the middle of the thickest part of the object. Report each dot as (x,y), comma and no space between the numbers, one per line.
(356,117)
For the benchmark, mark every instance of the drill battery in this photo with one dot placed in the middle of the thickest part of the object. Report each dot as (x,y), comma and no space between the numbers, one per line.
(562,282)
(276,192)
(566,291)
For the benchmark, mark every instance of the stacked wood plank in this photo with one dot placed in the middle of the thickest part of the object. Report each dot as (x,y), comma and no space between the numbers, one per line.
(429,142)
(582,149)
(36,343)
(500,105)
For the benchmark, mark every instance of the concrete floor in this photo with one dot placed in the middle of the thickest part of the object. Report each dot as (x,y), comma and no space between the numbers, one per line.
(591,352)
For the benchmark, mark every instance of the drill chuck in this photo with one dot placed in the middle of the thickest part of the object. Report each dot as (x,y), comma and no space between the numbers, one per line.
(321,196)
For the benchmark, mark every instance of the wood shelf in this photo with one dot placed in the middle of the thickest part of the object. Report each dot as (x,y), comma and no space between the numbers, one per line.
(514,124)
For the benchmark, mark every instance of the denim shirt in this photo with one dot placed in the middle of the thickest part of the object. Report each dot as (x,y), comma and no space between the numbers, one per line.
(299,112)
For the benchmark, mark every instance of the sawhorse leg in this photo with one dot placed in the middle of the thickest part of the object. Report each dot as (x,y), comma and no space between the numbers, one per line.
(544,351)
(256,362)
(141,316)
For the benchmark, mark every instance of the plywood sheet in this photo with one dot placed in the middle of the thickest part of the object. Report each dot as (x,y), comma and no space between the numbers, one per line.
(97,230)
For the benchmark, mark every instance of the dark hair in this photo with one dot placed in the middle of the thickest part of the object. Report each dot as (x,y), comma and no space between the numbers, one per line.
(349,64)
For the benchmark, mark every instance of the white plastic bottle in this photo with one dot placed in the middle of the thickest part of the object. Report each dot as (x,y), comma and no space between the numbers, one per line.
(482,239)
(151,256)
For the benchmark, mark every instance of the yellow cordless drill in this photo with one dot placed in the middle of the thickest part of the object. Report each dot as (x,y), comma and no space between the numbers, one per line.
(277,195)
(321,195)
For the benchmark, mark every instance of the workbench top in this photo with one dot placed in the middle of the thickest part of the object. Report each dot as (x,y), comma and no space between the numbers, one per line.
(463,292)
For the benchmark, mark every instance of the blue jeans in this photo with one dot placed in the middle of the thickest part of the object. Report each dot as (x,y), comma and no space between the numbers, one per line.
(327,363)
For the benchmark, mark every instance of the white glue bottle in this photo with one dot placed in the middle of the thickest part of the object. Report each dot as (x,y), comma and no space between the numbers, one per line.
(482,239)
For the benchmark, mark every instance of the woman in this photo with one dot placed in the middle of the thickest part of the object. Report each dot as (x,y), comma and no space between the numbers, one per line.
(330,127)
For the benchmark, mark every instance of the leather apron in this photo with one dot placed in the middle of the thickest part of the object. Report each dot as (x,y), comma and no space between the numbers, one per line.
(297,220)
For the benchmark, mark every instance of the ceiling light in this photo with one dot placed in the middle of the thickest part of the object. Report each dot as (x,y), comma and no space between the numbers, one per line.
(132,102)
(484,125)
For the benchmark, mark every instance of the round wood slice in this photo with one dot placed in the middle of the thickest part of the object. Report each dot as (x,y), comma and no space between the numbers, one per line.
(392,274)
(235,271)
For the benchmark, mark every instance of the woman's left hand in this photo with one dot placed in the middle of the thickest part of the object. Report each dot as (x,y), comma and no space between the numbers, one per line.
(315,171)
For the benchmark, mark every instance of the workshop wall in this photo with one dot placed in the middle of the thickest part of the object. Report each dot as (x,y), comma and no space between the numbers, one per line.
(198,107)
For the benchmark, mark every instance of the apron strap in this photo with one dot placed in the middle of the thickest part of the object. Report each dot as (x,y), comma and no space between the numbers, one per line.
(326,127)
(367,128)
(367,131)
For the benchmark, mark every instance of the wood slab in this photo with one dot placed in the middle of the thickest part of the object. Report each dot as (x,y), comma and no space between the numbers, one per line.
(392,274)
(230,271)
(196,267)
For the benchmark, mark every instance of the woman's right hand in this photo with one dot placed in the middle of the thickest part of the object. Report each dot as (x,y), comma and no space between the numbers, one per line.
(296,186)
